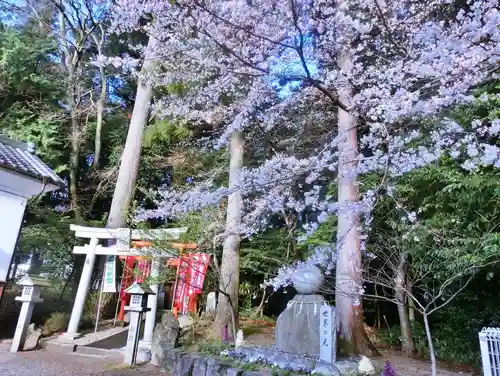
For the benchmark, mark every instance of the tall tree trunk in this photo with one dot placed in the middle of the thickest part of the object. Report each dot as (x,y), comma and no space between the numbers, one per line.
(291,225)
(350,329)
(430,344)
(230,263)
(15,265)
(406,338)
(68,63)
(260,308)
(101,101)
(36,263)
(129,165)
(68,279)
(99,121)
(411,303)
(73,163)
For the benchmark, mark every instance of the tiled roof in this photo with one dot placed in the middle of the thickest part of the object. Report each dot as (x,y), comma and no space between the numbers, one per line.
(19,157)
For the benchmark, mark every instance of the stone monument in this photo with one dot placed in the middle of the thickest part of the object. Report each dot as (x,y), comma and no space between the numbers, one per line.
(300,329)
(165,337)
(305,333)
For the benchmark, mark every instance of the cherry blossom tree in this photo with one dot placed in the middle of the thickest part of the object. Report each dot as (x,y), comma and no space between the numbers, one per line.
(382,73)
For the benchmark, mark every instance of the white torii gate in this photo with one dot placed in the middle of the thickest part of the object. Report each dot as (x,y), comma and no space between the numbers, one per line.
(123,237)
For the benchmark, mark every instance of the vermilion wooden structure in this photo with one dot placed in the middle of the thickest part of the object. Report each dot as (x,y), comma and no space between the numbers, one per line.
(138,268)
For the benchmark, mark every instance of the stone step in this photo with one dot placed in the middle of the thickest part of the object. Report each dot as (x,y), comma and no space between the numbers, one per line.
(88,355)
(55,345)
(85,350)
(81,350)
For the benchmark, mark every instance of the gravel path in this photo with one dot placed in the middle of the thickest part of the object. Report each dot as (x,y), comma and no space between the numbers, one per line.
(61,363)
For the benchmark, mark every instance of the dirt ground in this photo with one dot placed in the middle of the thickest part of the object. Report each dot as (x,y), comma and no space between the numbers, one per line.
(55,362)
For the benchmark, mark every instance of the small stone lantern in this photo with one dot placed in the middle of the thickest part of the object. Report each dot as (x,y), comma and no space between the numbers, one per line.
(138,305)
(30,295)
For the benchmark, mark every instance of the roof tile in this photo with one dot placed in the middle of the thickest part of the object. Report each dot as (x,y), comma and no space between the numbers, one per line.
(18,157)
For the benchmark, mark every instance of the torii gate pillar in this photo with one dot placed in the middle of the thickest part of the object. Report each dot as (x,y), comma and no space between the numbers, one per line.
(81,293)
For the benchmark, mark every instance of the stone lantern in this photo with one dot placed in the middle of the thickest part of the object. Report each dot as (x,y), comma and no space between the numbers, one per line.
(138,305)
(30,295)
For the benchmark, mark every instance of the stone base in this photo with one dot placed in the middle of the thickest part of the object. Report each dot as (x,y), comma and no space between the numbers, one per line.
(298,327)
(179,363)
(145,344)
(143,355)
(273,356)
(69,337)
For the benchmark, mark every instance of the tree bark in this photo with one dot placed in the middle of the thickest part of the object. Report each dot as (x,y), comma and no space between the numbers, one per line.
(227,307)
(99,120)
(411,303)
(430,344)
(348,300)
(100,102)
(69,63)
(36,263)
(74,162)
(291,225)
(129,165)
(260,308)
(406,338)
(15,265)
(404,321)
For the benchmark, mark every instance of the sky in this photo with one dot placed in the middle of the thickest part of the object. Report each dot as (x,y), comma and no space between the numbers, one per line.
(289,64)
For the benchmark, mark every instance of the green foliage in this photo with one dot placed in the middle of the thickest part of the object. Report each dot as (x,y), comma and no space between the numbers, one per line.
(275,371)
(419,337)
(390,337)
(456,236)
(23,56)
(213,347)
(57,322)
(29,93)
(263,254)
(48,234)
(43,130)
(323,235)
(165,131)
(249,366)
(91,304)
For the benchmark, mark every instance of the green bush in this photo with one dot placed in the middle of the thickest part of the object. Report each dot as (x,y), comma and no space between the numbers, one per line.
(454,340)
(57,322)
(213,348)
(90,307)
(390,337)
(419,338)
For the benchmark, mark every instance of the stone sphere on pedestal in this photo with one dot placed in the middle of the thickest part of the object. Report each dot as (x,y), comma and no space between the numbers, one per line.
(307,279)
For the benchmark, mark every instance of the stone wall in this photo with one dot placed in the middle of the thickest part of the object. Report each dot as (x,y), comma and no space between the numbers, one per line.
(179,363)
